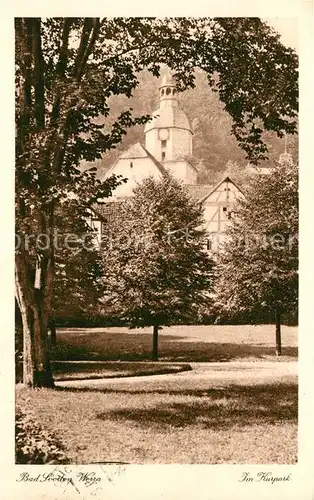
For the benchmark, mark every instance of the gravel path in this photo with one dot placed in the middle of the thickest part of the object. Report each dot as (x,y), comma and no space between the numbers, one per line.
(202,372)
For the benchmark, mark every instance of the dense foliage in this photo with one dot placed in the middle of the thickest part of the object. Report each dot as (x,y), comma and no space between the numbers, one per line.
(156,269)
(33,444)
(258,266)
(77,285)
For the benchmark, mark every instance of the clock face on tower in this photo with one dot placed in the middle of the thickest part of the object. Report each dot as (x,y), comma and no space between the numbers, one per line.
(163,134)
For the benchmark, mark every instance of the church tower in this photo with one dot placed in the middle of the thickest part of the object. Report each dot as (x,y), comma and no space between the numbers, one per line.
(168,136)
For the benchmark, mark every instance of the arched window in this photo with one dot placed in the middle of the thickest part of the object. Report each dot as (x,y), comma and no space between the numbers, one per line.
(168,91)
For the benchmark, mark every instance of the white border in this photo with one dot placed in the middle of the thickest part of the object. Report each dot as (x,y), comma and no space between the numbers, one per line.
(208,482)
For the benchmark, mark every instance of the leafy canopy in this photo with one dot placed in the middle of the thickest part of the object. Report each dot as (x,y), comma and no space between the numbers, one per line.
(156,271)
(79,63)
(77,286)
(258,267)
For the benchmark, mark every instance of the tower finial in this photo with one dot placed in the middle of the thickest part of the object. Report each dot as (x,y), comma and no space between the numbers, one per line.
(285,142)
(285,157)
(167,89)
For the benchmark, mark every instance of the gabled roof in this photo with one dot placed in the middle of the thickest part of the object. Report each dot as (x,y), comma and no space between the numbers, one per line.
(225,179)
(137,150)
(197,191)
(157,163)
(182,158)
(134,151)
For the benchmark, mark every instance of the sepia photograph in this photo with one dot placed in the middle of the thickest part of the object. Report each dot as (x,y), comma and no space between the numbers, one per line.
(156,241)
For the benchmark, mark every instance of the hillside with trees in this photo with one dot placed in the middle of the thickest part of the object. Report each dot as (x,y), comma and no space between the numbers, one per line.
(214,147)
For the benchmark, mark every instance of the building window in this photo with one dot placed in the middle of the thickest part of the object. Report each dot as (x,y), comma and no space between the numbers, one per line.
(131,164)
(163,144)
(168,91)
(224,209)
(163,155)
(209,244)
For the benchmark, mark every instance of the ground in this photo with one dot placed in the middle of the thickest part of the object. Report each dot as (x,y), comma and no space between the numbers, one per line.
(241,410)
(178,343)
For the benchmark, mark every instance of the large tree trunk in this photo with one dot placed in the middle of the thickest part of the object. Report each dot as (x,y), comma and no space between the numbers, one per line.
(155,343)
(34,307)
(278,333)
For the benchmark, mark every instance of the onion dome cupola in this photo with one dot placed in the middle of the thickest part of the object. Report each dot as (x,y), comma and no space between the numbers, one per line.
(168,135)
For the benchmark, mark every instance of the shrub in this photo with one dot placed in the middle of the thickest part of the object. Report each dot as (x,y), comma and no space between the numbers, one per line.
(33,444)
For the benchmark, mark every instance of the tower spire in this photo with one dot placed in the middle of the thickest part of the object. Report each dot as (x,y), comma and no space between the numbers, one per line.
(285,142)
(285,157)
(168,91)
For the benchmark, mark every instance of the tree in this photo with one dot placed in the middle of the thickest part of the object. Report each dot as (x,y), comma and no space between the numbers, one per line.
(156,269)
(67,69)
(77,286)
(258,267)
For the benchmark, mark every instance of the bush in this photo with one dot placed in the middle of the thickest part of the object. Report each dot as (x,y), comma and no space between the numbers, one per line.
(34,445)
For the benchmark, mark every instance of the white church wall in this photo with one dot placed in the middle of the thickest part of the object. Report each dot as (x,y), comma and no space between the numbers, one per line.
(152,144)
(135,170)
(181,171)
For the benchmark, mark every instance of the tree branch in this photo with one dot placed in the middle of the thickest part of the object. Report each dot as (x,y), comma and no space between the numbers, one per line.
(96,27)
(38,74)
(63,56)
(87,29)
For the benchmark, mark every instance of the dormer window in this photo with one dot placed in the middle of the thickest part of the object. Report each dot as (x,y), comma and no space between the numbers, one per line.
(163,155)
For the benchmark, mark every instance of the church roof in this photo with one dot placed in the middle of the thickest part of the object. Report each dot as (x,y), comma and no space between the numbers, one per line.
(134,151)
(137,150)
(168,116)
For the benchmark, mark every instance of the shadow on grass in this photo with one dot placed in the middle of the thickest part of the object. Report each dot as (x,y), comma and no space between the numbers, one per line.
(106,346)
(218,408)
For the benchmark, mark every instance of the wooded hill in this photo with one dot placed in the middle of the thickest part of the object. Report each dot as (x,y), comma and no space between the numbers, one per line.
(215,150)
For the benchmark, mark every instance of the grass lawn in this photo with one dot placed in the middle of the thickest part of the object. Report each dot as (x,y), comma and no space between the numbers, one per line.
(250,421)
(191,417)
(178,343)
